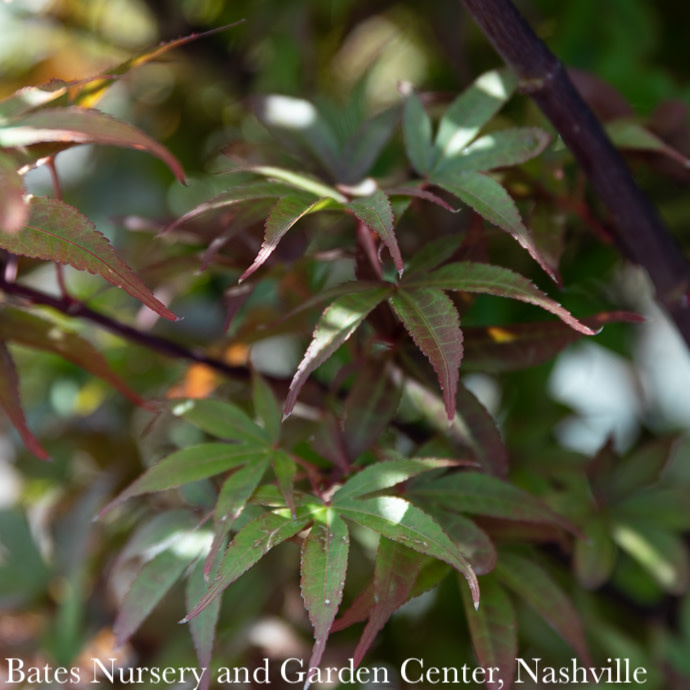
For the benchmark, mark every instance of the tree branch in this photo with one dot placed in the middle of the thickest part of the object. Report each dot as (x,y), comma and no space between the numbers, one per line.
(640,233)
(73,308)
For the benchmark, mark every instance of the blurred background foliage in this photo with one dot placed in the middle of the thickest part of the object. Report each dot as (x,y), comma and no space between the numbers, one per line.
(629,384)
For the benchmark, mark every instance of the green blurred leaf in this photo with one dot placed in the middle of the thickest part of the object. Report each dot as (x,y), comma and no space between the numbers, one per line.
(417,134)
(470,539)
(432,321)
(33,331)
(365,145)
(625,133)
(337,323)
(395,573)
(370,406)
(518,346)
(266,406)
(189,465)
(386,474)
(324,564)
(535,586)
(642,467)
(76,125)
(151,584)
(285,469)
(482,433)
(493,627)
(60,233)
(470,111)
(662,553)
(221,419)
(298,123)
(12,405)
(480,494)
(402,522)
(23,573)
(203,627)
(666,507)
(595,555)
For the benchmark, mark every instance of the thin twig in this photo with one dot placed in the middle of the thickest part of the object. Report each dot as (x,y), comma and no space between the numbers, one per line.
(73,308)
(640,233)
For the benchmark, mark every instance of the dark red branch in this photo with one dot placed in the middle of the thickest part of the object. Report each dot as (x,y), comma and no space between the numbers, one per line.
(640,233)
(73,308)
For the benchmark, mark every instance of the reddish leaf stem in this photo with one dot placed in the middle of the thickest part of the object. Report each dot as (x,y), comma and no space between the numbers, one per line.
(640,233)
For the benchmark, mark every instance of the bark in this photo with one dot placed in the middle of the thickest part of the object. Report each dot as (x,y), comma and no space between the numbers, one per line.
(640,233)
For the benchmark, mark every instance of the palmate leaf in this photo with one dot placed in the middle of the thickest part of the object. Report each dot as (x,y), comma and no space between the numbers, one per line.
(595,552)
(417,134)
(469,276)
(286,212)
(266,406)
(297,123)
(470,111)
(432,320)
(482,433)
(189,465)
(203,627)
(491,201)
(636,474)
(222,419)
(324,565)
(33,331)
(11,404)
(337,323)
(236,491)
(371,404)
(58,232)
(386,474)
(470,539)
(76,125)
(395,575)
(498,150)
(540,592)
(493,627)
(285,469)
(151,584)
(154,536)
(376,213)
(364,146)
(250,191)
(248,547)
(14,211)
(397,519)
